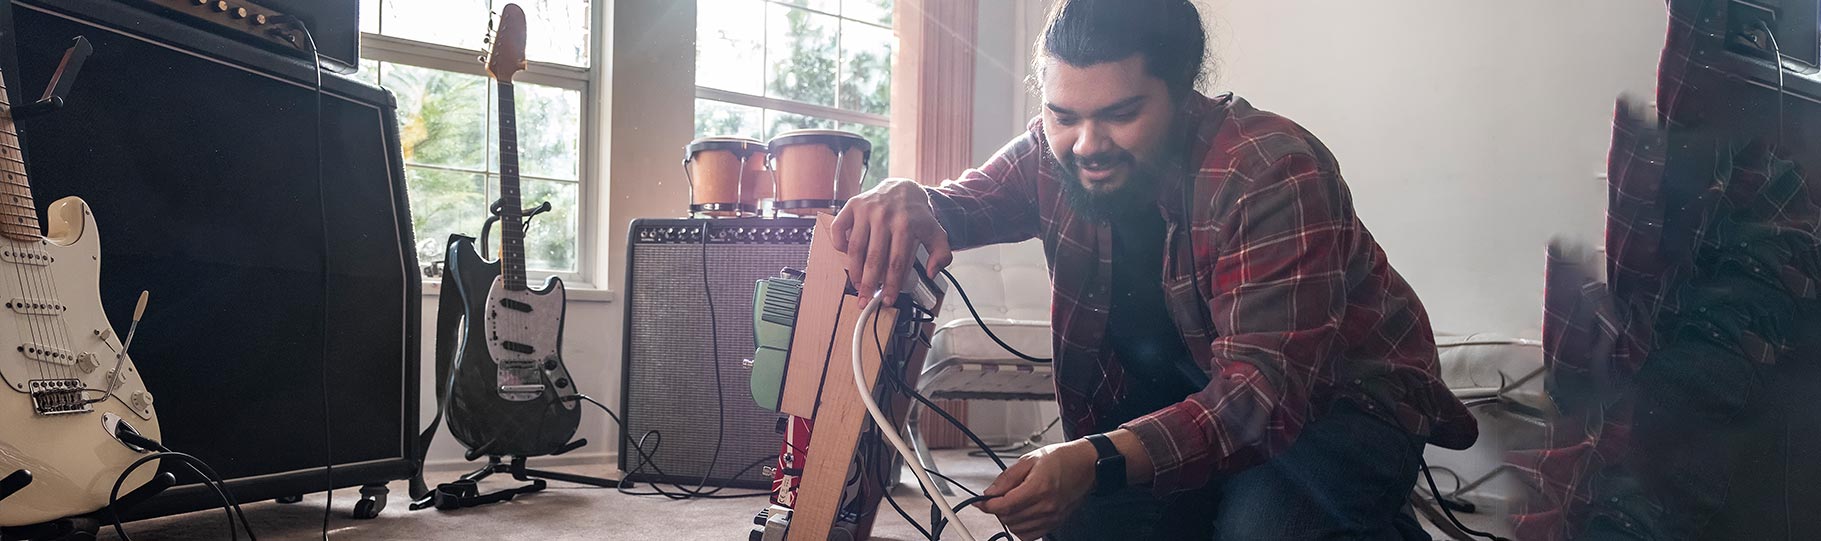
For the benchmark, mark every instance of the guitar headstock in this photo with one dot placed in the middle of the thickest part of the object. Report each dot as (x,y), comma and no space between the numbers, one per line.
(507,53)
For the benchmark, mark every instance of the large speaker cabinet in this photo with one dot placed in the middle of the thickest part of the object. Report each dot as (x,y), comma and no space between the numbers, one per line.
(199,154)
(682,330)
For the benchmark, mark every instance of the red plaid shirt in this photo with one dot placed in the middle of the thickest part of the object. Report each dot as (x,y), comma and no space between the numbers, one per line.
(1596,336)
(1278,290)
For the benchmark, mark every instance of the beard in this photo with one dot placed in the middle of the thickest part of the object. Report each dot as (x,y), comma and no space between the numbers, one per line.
(1137,193)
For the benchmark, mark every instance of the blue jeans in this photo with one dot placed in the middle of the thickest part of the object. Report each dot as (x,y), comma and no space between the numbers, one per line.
(1348,476)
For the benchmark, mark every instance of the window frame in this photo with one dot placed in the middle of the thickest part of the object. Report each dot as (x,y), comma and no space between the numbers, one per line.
(794,107)
(395,50)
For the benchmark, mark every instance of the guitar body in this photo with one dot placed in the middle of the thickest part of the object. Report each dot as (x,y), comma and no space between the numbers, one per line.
(72,454)
(507,388)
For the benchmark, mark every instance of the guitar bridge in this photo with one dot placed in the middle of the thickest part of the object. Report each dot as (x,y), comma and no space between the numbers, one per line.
(58,397)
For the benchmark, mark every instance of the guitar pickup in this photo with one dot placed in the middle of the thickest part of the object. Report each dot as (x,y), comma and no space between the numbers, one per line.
(23,256)
(36,307)
(47,354)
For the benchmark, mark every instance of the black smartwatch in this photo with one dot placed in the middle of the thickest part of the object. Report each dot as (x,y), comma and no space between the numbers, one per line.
(1109,469)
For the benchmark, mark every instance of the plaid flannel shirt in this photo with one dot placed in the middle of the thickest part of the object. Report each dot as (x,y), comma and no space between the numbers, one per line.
(1598,335)
(1278,290)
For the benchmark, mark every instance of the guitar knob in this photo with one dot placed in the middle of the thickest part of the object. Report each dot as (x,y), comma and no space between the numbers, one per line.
(86,362)
(141,399)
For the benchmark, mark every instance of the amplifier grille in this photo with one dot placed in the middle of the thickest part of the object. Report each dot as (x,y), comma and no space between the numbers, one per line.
(670,385)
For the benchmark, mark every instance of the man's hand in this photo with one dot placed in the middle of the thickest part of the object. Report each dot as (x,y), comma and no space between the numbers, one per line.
(880,230)
(1043,488)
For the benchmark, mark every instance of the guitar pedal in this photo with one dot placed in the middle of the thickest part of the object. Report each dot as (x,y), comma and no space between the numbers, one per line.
(774,321)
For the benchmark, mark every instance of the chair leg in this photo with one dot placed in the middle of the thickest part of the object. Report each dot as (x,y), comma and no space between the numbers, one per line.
(913,425)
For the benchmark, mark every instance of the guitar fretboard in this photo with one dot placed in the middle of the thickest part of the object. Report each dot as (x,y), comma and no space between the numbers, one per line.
(512,230)
(18,214)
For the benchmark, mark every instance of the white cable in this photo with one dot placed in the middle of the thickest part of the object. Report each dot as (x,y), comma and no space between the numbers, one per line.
(890,431)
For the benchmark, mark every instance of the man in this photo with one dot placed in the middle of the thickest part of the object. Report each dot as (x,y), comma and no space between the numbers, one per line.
(1232,346)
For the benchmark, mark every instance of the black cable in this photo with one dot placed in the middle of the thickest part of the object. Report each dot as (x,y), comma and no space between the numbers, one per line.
(714,337)
(1437,491)
(982,322)
(898,379)
(963,505)
(886,490)
(957,484)
(645,459)
(209,479)
(936,520)
(328,467)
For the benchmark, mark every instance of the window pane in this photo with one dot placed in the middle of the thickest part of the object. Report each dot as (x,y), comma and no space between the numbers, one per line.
(872,11)
(456,23)
(441,115)
(730,45)
(550,245)
(368,72)
(369,16)
(779,122)
(881,138)
(866,68)
(443,202)
(549,131)
(800,55)
(557,30)
(722,118)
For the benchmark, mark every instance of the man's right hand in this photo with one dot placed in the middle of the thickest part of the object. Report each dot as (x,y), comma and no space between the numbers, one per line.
(880,230)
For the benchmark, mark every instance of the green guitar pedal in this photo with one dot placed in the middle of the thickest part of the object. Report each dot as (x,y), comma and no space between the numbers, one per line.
(774,321)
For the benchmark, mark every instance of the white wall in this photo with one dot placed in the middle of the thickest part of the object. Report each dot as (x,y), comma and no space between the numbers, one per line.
(1470,132)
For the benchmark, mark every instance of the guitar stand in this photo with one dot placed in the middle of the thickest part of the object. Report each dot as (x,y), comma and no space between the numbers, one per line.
(78,528)
(493,217)
(465,492)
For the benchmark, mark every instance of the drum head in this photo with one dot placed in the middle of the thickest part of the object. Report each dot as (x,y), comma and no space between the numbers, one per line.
(737,145)
(839,140)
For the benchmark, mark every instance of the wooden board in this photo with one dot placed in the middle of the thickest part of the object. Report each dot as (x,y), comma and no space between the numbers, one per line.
(825,280)
(839,418)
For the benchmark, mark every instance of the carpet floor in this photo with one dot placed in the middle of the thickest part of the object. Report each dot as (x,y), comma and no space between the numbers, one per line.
(562,512)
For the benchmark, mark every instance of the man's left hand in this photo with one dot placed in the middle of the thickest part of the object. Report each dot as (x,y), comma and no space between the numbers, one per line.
(1040,491)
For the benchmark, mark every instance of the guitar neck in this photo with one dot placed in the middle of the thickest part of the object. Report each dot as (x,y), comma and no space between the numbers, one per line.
(18,214)
(512,230)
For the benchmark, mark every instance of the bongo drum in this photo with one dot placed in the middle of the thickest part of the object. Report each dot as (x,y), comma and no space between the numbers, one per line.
(818,169)
(725,174)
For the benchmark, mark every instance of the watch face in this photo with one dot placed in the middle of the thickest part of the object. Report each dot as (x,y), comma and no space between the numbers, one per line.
(1109,474)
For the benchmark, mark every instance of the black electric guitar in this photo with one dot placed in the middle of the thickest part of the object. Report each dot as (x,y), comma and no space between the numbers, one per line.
(508,391)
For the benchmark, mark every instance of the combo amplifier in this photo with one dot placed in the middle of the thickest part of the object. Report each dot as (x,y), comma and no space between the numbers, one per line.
(689,312)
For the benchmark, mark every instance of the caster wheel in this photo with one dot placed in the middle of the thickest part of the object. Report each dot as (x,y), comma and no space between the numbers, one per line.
(372,501)
(294,498)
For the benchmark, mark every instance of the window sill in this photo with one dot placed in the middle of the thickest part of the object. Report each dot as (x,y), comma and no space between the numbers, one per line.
(575,292)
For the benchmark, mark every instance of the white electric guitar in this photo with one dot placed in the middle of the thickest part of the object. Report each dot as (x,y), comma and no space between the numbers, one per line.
(59,357)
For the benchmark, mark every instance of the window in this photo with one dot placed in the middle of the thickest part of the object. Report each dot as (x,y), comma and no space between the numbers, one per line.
(768,66)
(426,52)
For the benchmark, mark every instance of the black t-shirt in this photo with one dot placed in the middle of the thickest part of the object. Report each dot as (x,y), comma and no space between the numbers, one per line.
(1140,333)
